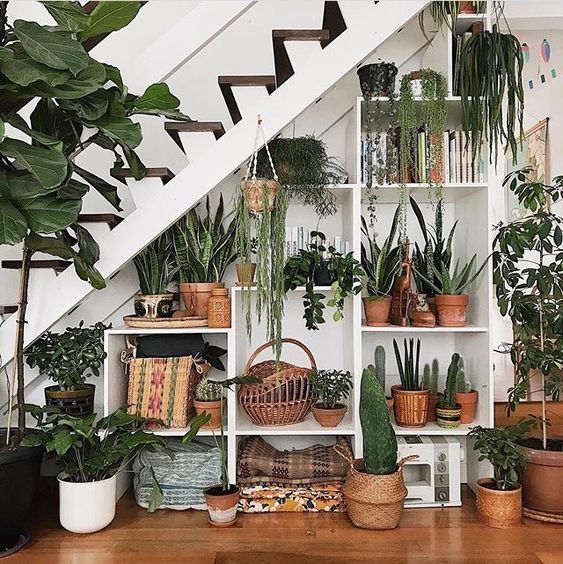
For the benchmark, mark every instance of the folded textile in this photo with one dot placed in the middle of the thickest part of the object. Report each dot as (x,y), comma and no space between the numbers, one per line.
(261,463)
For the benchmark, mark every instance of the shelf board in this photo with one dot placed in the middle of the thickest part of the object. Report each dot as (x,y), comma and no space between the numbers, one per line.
(437,329)
(298,289)
(161,331)
(179,432)
(433,428)
(451,192)
(448,99)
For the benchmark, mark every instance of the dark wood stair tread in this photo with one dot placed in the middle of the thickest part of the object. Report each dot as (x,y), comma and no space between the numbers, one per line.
(8,309)
(333,21)
(174,128)
(154,172)
(227,82)
(111,219)
(56,264)
(301,34)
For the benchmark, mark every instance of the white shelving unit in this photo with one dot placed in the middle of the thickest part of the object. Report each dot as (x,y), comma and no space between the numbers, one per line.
(350,344)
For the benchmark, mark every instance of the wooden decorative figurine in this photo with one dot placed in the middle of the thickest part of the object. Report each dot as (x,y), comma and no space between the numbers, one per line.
(400,295)
(420,313)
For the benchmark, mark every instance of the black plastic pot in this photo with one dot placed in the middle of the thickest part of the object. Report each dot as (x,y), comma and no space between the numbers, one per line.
(377,79)
(72,402)
(19,470)
(323,276)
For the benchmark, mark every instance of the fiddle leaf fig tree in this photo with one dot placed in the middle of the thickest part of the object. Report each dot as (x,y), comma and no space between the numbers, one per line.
(55,101)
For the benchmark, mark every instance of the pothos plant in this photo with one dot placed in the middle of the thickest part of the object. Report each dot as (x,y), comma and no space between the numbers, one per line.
(528,274)
(345,271)
(62,100)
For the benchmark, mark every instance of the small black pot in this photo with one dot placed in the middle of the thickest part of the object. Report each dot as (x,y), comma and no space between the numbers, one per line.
(323,276)
(72,402)
(377,79)
(19,470)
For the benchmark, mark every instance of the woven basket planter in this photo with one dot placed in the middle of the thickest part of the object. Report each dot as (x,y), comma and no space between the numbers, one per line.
(411,408)
(258,191)
(498,508)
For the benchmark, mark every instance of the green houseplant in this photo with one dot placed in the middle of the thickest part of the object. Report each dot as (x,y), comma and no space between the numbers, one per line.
(204,246)
(381,264)
(410,397)
(343,272)
(527,267)
(68,359)
(330,387)
(74,102)
(156,270)
(209,399)
(448,411)
(499,500)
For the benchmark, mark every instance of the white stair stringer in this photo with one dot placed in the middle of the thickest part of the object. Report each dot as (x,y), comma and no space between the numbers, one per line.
(368,25)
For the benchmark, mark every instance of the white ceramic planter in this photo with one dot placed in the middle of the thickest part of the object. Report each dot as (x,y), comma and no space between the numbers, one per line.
(86,507)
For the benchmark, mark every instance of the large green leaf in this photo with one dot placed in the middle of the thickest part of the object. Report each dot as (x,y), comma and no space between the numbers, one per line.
(170,114)
(110,16)
(107,190)
(48,166)
(19,123)
(21,185)
(13,226)
(122,130)
(48,118)
(47,214)
(88,248)
(2,130)
(53,49)
(50,245)
(138,169)
(157,97)
(88,273)
(69,15)
(73,190)
(113,74)
(21,69)
(90,107)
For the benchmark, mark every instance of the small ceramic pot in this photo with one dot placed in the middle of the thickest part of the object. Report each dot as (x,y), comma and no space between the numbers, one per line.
(468,402)
(500,509)
(245,273)
(211,407)
(410,407)
(329,417)
(452,310)
(448,417)
(222,507)
(153,306)
(377,311)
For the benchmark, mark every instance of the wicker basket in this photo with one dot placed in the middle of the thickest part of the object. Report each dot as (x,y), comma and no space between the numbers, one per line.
(411,407)
(374,501)
(284,395)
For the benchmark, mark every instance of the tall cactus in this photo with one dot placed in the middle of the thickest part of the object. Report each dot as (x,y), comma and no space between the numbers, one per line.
(434,377)
(451,382)
(463,385)
(426,380)
(380,442)
(379,359)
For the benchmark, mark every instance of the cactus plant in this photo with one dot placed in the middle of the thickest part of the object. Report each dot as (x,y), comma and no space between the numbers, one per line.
(380,442)
(448,397)
(208,390)
(379,358)
(426,383)
(409,370)
(463,384)
(434,377)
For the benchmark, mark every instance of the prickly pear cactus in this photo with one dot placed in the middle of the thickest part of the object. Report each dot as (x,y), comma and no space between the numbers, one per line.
(380,442)
(379,357)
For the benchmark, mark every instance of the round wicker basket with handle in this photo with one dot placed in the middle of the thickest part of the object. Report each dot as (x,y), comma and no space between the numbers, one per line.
(284,394)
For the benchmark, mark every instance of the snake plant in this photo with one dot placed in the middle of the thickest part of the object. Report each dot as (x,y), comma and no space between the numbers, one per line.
(409,368)
(155,265)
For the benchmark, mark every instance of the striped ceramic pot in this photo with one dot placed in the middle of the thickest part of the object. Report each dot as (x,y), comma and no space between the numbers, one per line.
(448,417)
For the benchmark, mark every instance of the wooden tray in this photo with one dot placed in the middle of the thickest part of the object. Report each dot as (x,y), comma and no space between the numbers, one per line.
(164,322)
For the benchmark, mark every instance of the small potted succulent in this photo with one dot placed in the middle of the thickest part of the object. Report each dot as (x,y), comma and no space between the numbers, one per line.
(466,396)
(68,359)
(379,370)
(156,270)
(330,387)
(448,411)
(209,399)
(430,382)
(381,264)
(499,499)
(410,397)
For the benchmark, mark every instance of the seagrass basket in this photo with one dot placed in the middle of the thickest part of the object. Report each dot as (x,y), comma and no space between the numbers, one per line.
(283,396)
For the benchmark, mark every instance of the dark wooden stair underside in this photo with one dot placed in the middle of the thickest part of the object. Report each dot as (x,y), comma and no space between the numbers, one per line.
(54,264)
(111,219)
(333,21)
(226,84)
(8,309)
(163,173)
(174,128)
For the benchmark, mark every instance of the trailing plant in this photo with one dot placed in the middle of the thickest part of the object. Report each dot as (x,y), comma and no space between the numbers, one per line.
(498,446)
(381,264)
(455,283)
(380,442)
(330,387)
(69,358)
(155,266)
(208,390)
(447,399)
(300,270)
(527,272)
(203,245)
(436,251)
(441,13)
(409,366)
(60,100)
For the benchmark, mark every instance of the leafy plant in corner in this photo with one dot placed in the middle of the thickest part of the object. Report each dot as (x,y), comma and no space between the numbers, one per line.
(528,273)
(330,387)
(155,266)
(409,367)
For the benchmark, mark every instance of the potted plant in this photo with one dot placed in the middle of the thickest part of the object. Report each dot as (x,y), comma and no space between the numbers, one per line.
(411,399)
(448,411)
(330,387)
(156,270)
(466,396)
(381,264)
(344,275)
(430,382)
(68,359)
(374,489)
(203,249)
(499,499)
(377,79)
(92,455)
(208,399)
(378,368)
(527,266)
(247,270)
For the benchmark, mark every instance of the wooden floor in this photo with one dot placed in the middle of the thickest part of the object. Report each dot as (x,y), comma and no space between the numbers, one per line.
(425,535)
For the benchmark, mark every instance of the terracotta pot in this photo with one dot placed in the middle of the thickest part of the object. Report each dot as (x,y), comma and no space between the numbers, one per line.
(329,417)
(501,509)
(467,7)
(542,480)
(222,507)
(254,191)
(411,408)
(432,303)
(153,305)
(196,295)
(245,273)
(448,417)
(72,402)
(468,402)
(213,408)
(432,402)
(452,310)
(390,403)
(377,311)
